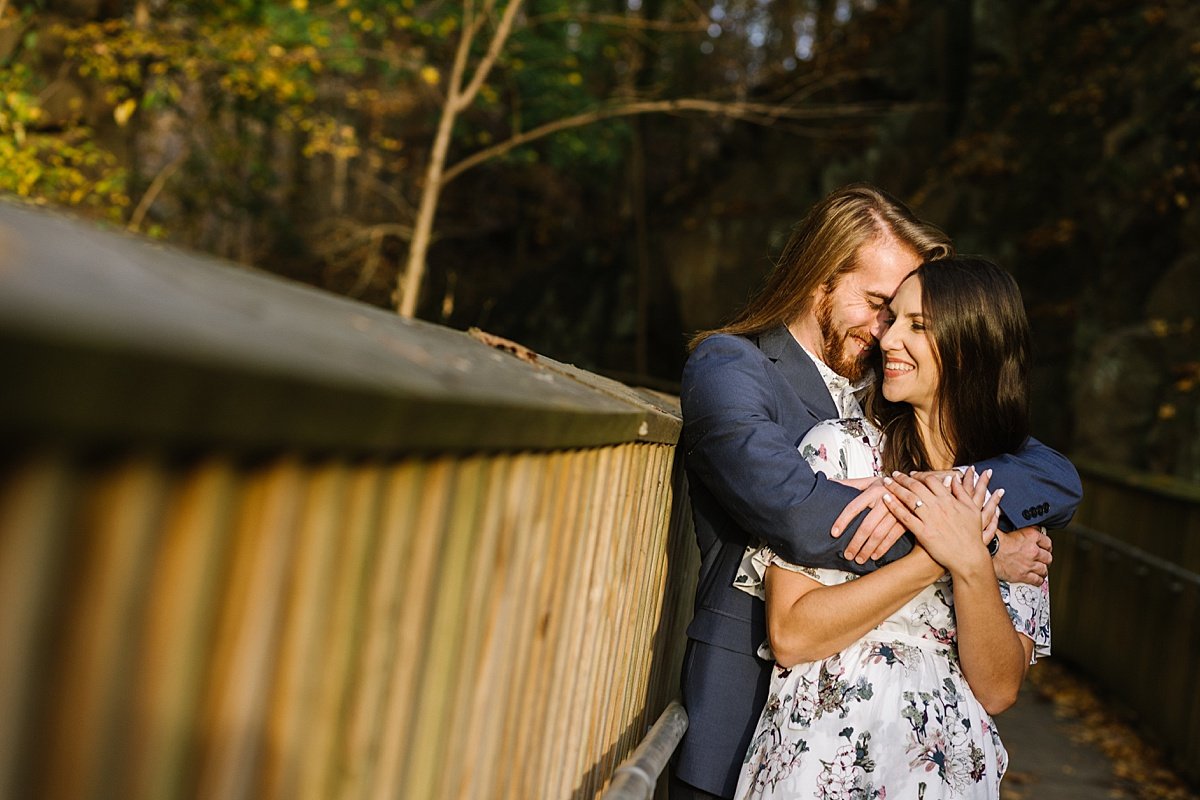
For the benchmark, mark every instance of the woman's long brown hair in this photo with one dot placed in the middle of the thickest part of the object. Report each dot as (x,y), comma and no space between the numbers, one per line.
(974,313)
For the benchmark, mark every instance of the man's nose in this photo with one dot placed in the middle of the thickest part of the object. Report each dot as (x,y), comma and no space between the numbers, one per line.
(879,326)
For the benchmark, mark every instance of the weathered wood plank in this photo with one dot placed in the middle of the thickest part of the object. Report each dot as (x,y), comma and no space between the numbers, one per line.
(183,348)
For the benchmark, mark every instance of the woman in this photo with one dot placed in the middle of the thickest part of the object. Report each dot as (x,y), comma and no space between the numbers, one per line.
(884,684)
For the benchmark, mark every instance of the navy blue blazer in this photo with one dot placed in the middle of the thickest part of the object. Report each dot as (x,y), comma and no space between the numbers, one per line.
(747,402)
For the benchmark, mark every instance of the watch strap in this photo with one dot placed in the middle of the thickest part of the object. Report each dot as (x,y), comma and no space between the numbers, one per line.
(994,545)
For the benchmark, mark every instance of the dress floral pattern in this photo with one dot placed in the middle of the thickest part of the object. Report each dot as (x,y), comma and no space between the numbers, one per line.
(891,716)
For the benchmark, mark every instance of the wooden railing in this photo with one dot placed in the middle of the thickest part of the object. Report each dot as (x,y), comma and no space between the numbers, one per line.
(257,541)
(1125,596)
(1159,515)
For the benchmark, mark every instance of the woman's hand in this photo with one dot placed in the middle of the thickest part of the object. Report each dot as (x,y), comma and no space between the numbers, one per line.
(920,556)
(977,483)
(989,505)
(942,513)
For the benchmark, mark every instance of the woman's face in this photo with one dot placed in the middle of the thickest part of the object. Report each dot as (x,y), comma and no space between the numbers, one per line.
(910,366)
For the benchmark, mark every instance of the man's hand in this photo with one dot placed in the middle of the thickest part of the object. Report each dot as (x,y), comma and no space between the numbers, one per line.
(1024,557)
(879,529)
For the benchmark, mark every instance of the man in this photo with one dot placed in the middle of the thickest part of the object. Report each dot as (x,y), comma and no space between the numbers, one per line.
(796,355)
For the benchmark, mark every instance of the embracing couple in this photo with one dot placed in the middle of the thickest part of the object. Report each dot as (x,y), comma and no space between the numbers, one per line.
(858,454)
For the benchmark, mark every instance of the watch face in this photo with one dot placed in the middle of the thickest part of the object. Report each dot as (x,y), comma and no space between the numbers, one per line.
(994,545)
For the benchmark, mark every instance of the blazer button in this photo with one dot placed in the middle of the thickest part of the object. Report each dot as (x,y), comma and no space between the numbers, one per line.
(1025,513)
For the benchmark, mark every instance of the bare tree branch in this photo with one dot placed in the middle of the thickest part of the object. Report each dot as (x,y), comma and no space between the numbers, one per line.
(457,99)
(472,22)
(154,190)
(618,21)
(803,88)
(408,286)
(362,233)
(489,59)
(757,113)
(367,273)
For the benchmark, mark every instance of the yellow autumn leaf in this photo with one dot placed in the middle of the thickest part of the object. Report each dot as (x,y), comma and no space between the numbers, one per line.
(430,75)
(124,111)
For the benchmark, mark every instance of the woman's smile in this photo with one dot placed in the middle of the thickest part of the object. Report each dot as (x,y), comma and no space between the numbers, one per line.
(893,369)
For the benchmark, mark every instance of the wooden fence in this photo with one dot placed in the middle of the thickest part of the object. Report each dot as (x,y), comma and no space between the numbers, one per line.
(1125,595)
(257,541)
(1159,515)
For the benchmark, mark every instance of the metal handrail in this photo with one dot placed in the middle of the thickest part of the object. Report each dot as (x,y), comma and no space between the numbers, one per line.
(638,774)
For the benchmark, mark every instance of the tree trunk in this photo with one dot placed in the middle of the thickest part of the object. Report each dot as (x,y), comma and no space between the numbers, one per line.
(406,294)
(408,287)
(637,189)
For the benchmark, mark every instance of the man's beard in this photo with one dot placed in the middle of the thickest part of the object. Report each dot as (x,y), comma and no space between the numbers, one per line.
(852,367)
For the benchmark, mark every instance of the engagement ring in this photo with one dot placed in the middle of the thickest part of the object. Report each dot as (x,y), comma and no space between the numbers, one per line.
(918,504)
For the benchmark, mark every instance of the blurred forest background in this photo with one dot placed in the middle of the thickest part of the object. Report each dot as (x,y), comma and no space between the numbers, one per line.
(611,175)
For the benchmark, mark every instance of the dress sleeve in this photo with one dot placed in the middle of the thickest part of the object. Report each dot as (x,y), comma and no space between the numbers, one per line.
(753,570)
(843,448)
(1029,609)
(837,448)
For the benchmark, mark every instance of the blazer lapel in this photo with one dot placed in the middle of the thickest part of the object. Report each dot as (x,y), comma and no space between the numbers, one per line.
(798,370)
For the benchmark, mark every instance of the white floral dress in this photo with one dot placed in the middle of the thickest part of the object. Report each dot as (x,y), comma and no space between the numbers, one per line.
(891,716)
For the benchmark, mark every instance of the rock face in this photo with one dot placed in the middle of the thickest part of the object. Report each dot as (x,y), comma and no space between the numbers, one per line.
(1137,395)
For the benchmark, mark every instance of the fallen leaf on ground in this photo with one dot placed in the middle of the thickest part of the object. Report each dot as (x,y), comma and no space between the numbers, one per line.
(1140,767)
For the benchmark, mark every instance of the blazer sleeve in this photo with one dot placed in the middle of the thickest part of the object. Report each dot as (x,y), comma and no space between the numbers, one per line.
(749,462)
(1041,486)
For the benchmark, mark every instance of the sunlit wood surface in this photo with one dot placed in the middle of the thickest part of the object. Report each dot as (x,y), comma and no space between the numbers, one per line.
(499,626)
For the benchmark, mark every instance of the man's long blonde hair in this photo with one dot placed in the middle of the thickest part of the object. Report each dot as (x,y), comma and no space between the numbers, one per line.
(824,246)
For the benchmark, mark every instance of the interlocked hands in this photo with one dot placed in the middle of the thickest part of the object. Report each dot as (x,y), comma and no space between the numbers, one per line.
(882,526)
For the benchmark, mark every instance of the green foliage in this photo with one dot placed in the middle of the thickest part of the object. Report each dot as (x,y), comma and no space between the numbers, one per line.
(330,72)
(267,70)
(553,69)
(65,168)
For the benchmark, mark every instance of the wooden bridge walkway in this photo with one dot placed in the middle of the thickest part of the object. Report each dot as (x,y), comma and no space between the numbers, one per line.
(1052,758)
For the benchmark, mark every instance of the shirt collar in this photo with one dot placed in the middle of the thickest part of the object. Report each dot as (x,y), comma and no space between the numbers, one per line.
(843,392)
